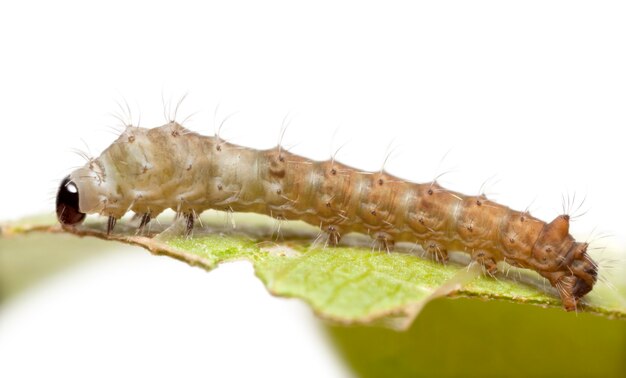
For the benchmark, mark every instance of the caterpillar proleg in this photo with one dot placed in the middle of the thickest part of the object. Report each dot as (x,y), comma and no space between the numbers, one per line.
(170,167)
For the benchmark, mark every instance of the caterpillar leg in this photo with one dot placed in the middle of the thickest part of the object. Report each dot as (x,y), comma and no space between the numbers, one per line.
(111,224)
(436,250)
(145,219)
(565,286)
(333,235)
(189,221)
(486,260)
(385,241)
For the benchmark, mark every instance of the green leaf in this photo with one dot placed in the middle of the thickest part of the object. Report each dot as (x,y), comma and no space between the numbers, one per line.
(350,285)
(469,338)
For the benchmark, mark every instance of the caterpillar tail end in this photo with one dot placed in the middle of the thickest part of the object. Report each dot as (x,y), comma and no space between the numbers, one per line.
(67,200)
(577,281)
(571,289)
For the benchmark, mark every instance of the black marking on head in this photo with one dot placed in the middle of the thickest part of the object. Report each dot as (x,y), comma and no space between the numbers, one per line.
(67,203)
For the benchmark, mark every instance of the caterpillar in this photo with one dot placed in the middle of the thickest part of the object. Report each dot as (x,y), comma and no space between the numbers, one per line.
(170,167)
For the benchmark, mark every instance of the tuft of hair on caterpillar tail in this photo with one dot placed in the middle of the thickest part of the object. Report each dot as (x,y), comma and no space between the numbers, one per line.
(169,167)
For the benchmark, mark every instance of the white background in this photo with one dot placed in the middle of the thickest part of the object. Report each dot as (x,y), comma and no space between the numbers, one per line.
(530,92)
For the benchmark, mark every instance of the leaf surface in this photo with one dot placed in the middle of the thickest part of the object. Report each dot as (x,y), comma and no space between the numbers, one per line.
(348,284)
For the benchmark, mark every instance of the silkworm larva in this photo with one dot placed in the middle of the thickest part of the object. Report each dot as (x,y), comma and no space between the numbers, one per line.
(150,170)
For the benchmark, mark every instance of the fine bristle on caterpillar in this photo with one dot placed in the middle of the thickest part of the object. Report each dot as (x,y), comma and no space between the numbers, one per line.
(171,167)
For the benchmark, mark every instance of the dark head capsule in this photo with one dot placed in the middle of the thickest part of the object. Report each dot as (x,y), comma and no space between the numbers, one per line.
(67,203)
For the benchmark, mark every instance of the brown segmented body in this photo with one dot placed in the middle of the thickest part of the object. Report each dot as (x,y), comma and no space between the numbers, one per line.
(150,170)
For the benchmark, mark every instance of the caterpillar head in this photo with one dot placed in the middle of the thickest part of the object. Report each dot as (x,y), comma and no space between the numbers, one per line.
(67,204)
(78,195)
